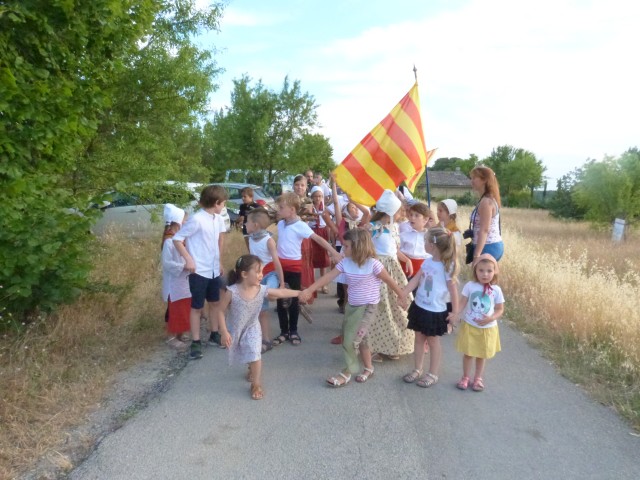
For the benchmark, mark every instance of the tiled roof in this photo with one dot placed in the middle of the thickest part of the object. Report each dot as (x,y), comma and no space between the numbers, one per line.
(448,179)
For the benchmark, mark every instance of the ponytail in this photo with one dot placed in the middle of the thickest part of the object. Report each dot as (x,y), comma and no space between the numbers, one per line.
(243,264)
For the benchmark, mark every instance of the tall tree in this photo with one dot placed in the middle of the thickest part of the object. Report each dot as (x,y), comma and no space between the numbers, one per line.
(63,65)
(517,170)
(610,188)
(265,131)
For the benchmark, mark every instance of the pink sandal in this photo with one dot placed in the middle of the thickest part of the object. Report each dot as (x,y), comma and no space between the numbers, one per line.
(478,385)
(463,384)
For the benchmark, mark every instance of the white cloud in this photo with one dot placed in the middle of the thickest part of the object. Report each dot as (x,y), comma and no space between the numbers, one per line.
(549,76)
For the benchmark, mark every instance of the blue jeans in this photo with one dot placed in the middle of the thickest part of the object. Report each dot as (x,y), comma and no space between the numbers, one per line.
(496,250)
(271,281)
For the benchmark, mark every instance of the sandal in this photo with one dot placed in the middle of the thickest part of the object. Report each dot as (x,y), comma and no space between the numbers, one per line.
(364,376)
(478,385)
(266,346)
(248,376)
(256,392)
(376,357)
(463,384)
(427,380)
(280,339)
(295,339)
(336,382)
(413,376)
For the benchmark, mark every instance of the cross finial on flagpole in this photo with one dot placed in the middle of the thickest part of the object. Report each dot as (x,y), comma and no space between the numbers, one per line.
(415,72)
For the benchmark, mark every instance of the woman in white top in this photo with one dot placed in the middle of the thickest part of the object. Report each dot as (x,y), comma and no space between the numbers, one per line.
(485,218)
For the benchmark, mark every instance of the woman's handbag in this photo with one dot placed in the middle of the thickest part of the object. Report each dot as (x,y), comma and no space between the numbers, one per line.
(470,249)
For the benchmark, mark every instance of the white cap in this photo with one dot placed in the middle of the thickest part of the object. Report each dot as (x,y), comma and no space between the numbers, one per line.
(388,203)
(451,205)
(316,189)
(173,213)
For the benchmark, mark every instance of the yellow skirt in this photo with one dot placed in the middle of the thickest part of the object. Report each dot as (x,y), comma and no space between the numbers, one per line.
(478,342)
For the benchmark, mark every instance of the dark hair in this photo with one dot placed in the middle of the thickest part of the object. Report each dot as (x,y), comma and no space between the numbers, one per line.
(212,195)
(248,191)
(243,264)
(422,209)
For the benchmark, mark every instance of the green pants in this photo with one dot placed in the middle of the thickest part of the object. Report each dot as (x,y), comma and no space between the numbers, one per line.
(355,328)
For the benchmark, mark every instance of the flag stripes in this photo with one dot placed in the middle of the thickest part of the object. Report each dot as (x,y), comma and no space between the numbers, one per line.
(393,151)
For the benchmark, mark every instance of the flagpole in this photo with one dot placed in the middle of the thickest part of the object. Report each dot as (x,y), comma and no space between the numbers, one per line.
(426,167)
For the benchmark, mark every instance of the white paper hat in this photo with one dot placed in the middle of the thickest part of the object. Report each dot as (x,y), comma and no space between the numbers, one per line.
(173,213)
(451,205)
(388,203)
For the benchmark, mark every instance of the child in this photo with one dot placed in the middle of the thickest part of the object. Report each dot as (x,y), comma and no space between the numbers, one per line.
(291,232)
(320,258)
(352,215)
(247,205)
(202,253)
(264,247)
(362,272)
(482,304)
(389,335)
(305,212)
(447,213)
(244,297)
(428,314)
(175,284)
(412,241)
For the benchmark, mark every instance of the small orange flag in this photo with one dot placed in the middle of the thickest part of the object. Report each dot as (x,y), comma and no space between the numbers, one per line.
(393,151)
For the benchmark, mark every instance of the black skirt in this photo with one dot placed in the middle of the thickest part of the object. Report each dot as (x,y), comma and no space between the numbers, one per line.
(431,324)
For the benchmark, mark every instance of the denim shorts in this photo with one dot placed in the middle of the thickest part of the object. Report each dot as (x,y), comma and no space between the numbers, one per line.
(203,288)
(496,250)
(271,281)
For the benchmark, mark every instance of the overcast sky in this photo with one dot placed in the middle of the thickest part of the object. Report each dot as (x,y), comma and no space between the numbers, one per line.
(556,77)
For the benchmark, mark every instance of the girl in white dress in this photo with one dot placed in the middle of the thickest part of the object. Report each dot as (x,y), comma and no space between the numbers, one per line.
(243,298)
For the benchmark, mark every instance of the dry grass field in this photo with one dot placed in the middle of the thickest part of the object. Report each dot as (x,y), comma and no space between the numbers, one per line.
(574,294)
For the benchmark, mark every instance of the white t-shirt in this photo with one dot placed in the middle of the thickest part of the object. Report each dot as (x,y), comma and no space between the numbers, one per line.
(412,244)
(202,232)
(480,303)
(432,292)
(290,239)
(363,281)
(404,226)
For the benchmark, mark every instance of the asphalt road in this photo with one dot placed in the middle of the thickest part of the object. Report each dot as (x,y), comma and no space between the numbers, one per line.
(529,423)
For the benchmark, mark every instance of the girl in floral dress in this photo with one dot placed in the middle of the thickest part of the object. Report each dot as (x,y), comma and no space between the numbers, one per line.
(243,298)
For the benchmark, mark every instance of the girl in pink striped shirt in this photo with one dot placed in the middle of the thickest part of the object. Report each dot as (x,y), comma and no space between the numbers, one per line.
(362,271)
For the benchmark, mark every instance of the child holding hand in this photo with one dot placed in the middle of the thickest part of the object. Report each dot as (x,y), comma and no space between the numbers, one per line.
(243,298)
(428,314)
(363,273)
(482,304)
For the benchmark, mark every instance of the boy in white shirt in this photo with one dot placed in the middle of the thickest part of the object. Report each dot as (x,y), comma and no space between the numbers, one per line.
(202,253)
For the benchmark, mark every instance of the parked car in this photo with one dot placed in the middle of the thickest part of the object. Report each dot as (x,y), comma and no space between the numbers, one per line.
(235,198)
(138,212)
(275,189)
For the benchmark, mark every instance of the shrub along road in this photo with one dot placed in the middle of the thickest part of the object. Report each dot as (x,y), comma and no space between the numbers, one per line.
(529,423)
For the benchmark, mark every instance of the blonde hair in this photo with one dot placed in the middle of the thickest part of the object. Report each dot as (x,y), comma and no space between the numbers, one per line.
(494,280)
(445,242)
(362,247)
(290,199)
(259,216)
(491,187)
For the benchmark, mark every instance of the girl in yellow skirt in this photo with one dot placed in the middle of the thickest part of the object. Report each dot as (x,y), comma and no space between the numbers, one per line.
(481,306)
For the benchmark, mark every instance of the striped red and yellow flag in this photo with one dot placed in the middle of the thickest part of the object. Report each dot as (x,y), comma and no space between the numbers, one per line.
(393,151)
(413,181)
